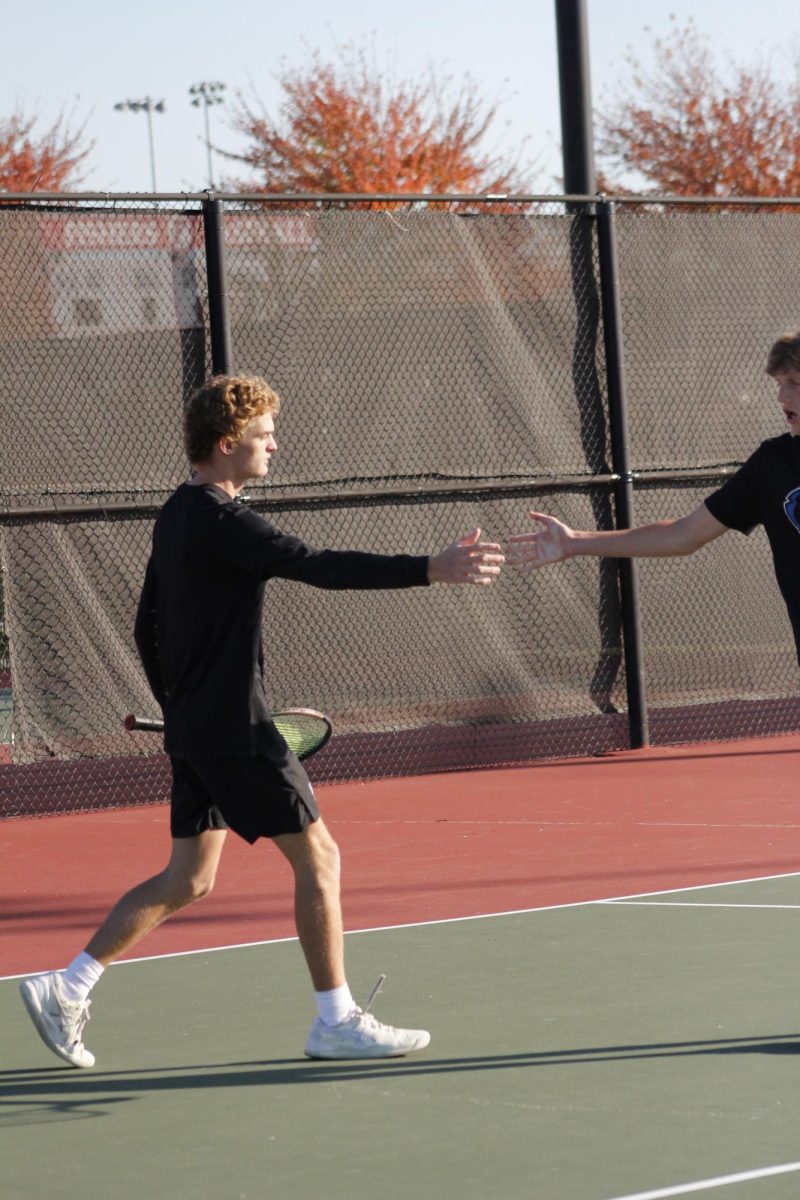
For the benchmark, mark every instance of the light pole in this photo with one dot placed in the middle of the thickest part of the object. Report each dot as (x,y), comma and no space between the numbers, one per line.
(149,106)
(205,94)
(576,98)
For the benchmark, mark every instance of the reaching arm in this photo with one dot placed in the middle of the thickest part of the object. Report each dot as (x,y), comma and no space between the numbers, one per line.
(556,541)
(251,543)
(466,560)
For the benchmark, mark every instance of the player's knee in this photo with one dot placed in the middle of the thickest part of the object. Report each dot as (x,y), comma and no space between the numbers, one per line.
(185,889)
(200,886)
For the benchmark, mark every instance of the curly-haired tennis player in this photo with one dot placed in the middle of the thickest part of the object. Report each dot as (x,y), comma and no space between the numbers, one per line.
(198,631)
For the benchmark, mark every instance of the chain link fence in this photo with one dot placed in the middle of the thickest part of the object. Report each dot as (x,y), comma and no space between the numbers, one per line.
(441,366)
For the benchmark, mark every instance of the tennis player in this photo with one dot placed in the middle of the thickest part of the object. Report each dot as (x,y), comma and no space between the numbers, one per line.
(764,491)
(198,631)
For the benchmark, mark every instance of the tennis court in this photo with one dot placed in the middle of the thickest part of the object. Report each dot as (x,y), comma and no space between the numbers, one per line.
(601,946)
(603,950)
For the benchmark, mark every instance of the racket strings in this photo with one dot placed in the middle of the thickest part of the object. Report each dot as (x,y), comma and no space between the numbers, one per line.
(302,732)
(303,729)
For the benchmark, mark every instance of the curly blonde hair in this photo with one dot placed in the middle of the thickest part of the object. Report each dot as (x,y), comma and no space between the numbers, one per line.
(222,408)
(784,355)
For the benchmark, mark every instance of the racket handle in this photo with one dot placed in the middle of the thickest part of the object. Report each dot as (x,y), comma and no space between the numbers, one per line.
(149,724)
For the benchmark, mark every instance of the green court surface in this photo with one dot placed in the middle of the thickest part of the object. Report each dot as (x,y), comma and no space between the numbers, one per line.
(588,1052)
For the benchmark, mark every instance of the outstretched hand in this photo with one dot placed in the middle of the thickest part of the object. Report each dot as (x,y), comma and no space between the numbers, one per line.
(548,545)
(467,560)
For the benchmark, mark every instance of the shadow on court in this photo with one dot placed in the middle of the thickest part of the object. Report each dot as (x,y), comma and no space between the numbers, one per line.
(557,1034)
(70,1094)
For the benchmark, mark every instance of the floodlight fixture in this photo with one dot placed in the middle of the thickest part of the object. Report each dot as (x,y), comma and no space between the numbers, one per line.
(204,95)
(149,106)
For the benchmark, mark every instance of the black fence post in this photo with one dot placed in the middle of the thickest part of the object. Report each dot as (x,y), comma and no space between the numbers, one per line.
(218,313)
(594,437)
(577,140)
(620,458)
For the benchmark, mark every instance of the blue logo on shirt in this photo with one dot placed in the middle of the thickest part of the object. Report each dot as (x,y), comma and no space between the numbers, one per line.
(791,506)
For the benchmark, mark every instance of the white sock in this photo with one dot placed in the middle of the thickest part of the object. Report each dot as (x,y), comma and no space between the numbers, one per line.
(80,976)
(335,1005)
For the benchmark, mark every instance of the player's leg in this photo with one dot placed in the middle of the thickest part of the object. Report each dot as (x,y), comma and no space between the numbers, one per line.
(314,859)
(188,876)
(269,795)
(198,835)
(58,1004)
(341,1030)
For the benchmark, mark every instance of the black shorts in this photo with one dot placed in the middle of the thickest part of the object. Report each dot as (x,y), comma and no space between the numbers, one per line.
(255,797)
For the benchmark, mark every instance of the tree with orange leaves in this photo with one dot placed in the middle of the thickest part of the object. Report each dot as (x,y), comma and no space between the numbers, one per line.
(47,163)
(343,128)
(688,129)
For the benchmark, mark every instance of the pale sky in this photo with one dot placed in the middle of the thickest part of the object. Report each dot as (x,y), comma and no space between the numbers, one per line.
(85,57)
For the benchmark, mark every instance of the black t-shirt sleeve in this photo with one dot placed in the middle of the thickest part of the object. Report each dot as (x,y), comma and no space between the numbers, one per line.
(239,537)
(737,503)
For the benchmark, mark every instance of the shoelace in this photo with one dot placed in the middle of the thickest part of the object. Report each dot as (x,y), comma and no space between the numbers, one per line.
(74,1021)
(375,992)
(366,1019)
(367,1022)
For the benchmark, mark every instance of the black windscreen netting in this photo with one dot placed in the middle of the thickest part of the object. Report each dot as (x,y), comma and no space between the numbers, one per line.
(426,679)
(417,345)
(719,651)
(438,371)
(704,295)
(102,333)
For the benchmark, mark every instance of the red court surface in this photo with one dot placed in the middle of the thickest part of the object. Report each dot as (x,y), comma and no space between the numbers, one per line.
(428,848)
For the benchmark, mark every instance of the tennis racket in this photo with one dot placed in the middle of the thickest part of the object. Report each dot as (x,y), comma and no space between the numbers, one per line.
(304,730)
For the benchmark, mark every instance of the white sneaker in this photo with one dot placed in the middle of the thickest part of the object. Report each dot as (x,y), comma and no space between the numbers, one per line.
(59,1021)
(360,1035)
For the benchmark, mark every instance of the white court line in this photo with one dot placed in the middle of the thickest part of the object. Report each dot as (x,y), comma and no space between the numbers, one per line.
(618,824)
(703,1185)
(690,904)
(697,887)
(515,912)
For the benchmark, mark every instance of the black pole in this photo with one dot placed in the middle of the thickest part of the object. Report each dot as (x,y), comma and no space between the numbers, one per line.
(577,148)
(623,490)
(218,315)
(580,180)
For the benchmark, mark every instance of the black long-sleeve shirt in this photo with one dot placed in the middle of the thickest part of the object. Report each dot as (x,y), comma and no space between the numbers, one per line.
(766,491)
(198,626)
